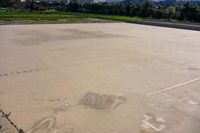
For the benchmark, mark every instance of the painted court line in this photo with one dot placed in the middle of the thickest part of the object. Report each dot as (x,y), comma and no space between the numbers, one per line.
(173,87)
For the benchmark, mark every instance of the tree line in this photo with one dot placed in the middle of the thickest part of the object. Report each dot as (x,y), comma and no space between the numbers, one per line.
(179,11)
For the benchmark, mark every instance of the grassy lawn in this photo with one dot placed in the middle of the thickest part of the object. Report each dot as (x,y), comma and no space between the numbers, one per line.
(35,15)
(107,17)
(52,16)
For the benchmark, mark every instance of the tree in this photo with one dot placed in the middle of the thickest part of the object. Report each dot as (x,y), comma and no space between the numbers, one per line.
(73,7)
(158,13)
(190,12)
(172,12)
(5,3)
(145,9)
(15,4)
(28,3)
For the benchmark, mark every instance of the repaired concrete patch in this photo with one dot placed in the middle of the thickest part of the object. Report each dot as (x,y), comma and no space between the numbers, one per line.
(102,102)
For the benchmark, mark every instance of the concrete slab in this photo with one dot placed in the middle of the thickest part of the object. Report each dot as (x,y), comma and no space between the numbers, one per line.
(100,78)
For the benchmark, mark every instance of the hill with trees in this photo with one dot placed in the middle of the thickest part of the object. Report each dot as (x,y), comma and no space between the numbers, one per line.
(181,11)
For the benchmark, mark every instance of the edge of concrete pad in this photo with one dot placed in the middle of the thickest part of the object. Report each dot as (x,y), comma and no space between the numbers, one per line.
(195,27)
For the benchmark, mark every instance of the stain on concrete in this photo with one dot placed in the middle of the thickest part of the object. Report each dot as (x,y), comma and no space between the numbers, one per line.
(84,34)
(38,37)
(193,69)
(101,102)
(53,99)
(5,74)
(22,71)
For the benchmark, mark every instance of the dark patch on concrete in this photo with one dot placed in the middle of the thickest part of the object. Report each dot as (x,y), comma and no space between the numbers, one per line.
(30,70)
(97,101)
(59,49)
(83,34)
(54,99)
(5,74)
(193,69)
(11,73)
(102,102)
(37,37)
(36,69)
(23,71)
(18,72)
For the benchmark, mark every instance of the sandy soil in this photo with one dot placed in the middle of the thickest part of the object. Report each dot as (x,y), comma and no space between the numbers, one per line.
(100,78)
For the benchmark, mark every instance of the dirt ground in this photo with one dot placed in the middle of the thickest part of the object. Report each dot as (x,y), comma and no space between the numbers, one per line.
(100,78)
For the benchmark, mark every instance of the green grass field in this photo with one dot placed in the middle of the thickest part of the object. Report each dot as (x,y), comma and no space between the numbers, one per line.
(52,16)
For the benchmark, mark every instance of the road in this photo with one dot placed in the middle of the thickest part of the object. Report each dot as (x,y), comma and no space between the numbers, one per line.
(100,78)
